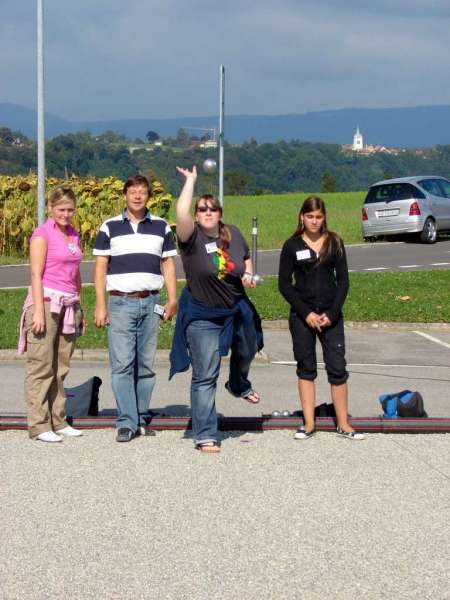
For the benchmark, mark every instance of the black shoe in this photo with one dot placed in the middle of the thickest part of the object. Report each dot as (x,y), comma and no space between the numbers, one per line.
(125,434)
(350,435)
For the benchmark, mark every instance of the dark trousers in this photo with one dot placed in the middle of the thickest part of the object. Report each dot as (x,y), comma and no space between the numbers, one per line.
(333,347)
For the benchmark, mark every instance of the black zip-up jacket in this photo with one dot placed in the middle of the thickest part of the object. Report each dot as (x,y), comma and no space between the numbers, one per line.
(318,286)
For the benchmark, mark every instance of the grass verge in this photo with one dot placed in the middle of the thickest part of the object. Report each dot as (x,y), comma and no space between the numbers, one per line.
(278,215)
(417,297)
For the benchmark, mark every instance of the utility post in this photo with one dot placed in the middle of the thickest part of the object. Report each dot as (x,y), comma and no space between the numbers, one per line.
(40,115)
(221,131)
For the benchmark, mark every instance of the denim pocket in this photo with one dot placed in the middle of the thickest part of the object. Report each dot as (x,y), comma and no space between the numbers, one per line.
(116,302)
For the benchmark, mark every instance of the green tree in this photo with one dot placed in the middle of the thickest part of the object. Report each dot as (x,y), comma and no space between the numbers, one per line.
(236,183)
(182,138)
(327,183)
(152,136)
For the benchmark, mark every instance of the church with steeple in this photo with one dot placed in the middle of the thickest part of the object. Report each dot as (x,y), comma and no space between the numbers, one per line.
(358,144)
(368,149)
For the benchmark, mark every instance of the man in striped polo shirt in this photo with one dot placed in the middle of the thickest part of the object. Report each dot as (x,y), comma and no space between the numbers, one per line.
(134,258)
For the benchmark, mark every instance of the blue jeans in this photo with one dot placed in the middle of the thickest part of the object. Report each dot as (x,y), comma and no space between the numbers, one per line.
(203,341)
(132,340)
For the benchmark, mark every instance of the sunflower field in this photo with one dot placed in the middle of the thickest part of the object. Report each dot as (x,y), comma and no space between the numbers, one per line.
(97,200)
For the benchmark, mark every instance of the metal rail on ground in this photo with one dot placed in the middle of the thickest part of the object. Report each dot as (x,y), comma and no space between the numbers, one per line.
(262,423)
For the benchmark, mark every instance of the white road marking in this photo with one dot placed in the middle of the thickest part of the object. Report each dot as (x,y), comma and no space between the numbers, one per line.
(409,266)
(376,269)
(292,363)
(432,339)
(438,264)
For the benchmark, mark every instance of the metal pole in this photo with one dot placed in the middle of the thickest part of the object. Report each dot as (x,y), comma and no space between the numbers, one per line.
(40,114)
(255,244)
(221,132)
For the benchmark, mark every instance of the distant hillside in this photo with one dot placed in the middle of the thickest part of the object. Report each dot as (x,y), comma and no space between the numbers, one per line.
(403,127)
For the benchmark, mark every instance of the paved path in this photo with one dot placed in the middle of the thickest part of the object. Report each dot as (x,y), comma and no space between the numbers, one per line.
(378,257)
(270,518)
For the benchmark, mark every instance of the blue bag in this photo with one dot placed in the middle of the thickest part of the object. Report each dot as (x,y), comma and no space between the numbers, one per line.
(406,404)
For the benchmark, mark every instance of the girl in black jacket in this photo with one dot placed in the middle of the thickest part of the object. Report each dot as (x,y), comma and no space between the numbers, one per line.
(313,278)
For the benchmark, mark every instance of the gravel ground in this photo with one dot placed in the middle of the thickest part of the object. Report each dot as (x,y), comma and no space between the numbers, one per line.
(269,517)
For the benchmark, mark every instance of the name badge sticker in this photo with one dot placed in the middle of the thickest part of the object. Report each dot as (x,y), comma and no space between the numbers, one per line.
(303,254)
(211,247)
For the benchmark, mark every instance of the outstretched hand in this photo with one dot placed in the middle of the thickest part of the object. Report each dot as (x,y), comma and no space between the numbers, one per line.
(188,174)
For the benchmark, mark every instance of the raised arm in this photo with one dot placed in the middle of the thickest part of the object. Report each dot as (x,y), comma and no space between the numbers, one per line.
(185,224)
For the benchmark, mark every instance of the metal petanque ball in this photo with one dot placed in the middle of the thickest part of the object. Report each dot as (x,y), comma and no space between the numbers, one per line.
(209,166)
(276,413)
(285,413)
(257,279)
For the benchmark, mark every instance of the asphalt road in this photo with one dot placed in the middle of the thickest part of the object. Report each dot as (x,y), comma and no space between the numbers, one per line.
(378,257)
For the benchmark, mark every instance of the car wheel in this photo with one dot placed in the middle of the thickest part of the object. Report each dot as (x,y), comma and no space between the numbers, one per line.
(371,239)
(429,232)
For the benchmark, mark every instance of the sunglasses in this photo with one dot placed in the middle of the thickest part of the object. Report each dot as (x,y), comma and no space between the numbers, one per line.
(206,208)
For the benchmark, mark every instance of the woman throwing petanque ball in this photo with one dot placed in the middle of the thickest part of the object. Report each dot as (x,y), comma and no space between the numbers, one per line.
(214,312)
(313,278)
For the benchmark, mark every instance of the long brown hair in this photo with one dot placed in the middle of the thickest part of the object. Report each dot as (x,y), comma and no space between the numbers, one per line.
(309,205)
(224,230)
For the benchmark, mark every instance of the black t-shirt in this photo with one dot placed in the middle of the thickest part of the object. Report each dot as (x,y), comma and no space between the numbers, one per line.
(214,268)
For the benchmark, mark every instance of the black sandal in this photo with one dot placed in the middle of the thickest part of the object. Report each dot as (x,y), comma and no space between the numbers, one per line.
(247,396)
(208,447)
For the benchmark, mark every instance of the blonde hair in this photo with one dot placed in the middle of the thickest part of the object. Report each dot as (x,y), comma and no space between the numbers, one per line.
(61,194)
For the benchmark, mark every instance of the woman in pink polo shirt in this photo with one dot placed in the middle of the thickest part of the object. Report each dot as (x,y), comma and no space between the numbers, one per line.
(52,318)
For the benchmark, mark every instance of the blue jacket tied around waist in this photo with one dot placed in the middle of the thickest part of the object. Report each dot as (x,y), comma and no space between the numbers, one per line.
(190,310)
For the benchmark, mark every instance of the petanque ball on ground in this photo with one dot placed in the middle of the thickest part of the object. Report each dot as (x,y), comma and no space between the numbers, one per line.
(209,166)
(276,413)
(285,413)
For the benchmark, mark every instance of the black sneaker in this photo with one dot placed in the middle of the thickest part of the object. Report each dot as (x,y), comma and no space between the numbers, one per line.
(350,435)
(125,434)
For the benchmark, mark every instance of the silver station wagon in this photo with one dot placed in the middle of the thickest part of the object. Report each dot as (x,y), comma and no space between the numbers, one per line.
(417,205)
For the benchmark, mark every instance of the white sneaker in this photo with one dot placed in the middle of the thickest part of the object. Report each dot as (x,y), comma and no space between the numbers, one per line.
(70,431)
(301,434)
(49,436)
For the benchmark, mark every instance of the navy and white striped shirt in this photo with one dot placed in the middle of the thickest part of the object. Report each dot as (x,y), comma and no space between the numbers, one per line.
(135,252)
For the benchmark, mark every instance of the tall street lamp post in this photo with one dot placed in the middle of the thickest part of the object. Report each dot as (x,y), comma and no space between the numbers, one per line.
(221,131)
(40,113)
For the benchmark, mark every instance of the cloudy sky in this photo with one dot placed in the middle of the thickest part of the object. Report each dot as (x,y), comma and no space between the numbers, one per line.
(115,59)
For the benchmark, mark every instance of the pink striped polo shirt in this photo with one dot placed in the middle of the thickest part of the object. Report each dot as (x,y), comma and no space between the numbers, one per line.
(63,256)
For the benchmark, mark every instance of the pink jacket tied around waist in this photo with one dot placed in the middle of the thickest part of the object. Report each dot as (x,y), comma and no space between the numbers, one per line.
(57,302)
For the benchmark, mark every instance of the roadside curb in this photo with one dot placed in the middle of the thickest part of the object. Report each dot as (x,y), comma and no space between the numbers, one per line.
(162,356)
(88,355)
(382,325)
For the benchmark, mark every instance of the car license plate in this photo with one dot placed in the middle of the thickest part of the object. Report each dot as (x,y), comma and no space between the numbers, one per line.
(391,212)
